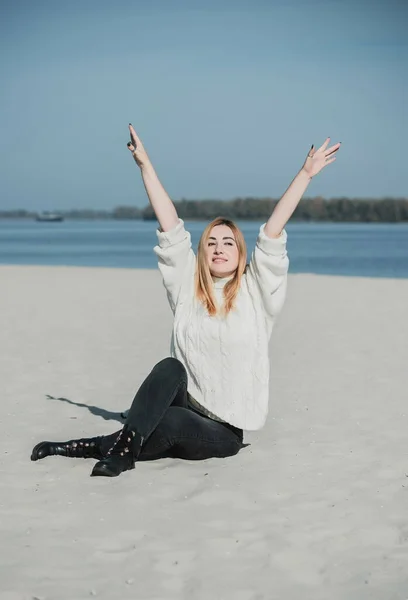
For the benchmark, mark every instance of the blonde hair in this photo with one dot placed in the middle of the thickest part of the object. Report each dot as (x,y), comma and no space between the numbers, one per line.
(203,280)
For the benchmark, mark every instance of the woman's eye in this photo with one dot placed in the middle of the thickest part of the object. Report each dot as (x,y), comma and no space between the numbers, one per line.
(211,244)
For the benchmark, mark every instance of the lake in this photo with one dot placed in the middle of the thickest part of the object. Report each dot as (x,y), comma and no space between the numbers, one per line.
(355,249)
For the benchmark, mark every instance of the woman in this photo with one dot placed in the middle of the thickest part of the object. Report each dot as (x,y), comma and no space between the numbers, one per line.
(196,404)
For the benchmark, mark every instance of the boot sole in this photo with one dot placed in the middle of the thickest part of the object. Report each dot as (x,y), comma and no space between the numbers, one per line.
(102,470)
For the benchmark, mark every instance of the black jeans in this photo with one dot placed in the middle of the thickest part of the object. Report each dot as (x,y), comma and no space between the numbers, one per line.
(170,425)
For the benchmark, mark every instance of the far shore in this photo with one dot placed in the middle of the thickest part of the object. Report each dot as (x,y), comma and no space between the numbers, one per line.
(315,209)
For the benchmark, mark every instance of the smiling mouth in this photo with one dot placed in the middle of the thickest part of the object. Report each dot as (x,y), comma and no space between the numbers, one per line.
(219,260)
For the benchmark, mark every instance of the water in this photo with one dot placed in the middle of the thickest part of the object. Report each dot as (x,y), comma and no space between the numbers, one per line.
(363,249)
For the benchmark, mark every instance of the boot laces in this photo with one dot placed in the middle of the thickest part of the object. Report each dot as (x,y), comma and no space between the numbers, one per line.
(123,443)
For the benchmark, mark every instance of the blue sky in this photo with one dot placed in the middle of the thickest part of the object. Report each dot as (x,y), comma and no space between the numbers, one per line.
(227,96)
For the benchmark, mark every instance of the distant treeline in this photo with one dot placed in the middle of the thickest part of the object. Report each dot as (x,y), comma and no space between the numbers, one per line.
(390,210)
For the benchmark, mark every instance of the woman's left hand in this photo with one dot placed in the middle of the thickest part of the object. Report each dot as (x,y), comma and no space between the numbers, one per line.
(316,160)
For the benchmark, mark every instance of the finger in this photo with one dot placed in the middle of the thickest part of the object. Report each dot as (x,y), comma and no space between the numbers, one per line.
(332,149)
(133,135)
(330,160)
(330,153)
(324,145)
(131,147)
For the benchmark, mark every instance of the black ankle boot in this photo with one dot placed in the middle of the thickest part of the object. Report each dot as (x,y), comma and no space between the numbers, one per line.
(121,457)
(83,448)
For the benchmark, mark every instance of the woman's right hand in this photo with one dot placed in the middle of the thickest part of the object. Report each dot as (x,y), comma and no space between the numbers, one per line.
(136,148)
(159,199)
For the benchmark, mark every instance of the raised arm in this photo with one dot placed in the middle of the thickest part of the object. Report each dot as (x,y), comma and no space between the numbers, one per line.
(269,263)
(176,258)
(161,202)
(315,161)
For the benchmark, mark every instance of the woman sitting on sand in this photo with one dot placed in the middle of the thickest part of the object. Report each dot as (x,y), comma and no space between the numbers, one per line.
(196,404)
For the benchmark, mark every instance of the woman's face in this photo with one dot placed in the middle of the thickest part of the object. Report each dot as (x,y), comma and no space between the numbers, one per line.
(222,251)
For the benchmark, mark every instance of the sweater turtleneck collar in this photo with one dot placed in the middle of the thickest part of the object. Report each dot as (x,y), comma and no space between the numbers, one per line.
(219,282)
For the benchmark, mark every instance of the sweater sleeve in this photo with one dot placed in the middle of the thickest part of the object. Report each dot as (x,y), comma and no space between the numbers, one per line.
(176,260)
(268,270)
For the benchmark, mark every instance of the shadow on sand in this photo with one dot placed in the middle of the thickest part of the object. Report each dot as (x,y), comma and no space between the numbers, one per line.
(107,415)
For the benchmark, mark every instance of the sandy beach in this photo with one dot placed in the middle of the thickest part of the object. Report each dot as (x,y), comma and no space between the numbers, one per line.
(315,508)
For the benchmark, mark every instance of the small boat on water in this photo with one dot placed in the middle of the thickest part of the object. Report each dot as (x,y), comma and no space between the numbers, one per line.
(49,217)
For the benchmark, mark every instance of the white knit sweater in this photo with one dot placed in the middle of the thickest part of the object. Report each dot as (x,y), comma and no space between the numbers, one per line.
(226,358)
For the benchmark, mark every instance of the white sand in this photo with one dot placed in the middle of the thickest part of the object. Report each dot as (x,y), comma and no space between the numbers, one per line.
(316,508)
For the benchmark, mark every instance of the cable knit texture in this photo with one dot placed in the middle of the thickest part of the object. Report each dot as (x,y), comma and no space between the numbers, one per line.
(226,358)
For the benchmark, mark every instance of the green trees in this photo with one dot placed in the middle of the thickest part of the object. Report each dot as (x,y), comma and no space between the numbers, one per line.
(389,210)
